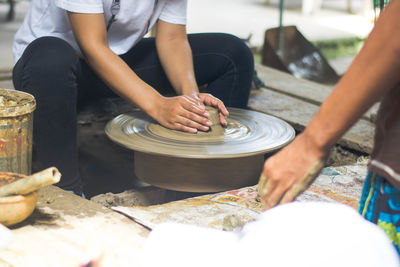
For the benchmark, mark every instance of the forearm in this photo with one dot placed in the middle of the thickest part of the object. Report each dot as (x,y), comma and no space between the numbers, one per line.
(118,76)
(91,35)
(373,73)
(176,58)
(184,113)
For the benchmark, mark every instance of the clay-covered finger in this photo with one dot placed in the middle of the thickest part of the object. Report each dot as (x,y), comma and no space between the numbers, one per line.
(273,196)
(294,192)
(306,181)
(203,121)
(222,119)
(312,173)
(180,127)
(215,102)
(201,118)
(222,108)
(262,186)
(189,122)
(223,112)
(288,197)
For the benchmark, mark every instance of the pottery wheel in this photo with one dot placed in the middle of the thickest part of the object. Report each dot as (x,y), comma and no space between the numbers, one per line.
(247,133)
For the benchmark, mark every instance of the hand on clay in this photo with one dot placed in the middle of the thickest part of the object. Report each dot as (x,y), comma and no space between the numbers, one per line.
(290,172)
(185,113)
(210,100)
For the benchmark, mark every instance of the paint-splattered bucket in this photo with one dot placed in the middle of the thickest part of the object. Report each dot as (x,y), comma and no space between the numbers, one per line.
(16,125)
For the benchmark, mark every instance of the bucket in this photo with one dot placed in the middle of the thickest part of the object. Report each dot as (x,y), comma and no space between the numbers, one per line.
(16,125)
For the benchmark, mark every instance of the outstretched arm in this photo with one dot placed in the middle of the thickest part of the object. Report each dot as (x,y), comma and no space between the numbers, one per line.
(374,72)
(91,35)
(176,58)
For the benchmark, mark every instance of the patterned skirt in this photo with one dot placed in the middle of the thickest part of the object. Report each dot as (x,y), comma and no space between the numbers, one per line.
(380,204)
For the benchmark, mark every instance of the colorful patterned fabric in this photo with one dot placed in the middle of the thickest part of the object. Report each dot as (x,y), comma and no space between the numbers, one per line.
(380,3)
(380,204)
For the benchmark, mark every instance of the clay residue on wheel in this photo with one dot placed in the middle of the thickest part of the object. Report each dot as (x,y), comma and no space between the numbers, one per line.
(248,133)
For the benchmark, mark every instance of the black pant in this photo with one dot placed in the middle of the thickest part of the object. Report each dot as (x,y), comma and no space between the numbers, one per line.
(50,70)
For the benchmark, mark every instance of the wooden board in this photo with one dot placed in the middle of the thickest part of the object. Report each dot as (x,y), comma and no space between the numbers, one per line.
(298,113)
(308,91)
(285,83)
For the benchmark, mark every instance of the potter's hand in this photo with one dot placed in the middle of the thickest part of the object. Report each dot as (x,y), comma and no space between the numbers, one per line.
(289,172)
(210,100)
(184,113)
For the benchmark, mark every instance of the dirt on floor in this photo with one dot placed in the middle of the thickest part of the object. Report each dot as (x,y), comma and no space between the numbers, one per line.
(133,197)
(340,156)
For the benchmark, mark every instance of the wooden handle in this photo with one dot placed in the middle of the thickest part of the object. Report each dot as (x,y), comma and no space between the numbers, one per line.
(31,183)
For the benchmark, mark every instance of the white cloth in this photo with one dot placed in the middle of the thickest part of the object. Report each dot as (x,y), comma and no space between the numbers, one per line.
(310,234)
(134,19)
(6,236)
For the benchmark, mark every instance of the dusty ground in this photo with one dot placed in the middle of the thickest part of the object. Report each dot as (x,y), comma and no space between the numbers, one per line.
(141,197)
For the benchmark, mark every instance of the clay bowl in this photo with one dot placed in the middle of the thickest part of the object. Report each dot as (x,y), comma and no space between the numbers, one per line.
(222,159)
(16,208)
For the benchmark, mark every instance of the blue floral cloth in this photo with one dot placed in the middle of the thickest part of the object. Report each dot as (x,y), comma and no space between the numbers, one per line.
(380,204)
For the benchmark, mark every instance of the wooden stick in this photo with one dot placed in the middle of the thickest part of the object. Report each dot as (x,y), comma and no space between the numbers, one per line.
(31,183)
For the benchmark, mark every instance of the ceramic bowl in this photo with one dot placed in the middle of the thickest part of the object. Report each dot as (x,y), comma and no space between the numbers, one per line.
(16,208)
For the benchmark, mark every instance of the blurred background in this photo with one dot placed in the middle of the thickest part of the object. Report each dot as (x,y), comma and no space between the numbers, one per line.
(337,28)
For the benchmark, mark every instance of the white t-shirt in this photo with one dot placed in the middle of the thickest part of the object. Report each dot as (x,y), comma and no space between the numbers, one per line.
(134,19)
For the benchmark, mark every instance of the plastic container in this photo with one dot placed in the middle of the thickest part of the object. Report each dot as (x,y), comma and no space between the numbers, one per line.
(16,125)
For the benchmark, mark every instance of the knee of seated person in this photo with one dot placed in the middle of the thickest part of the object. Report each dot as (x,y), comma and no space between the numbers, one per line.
(236,49)
(51,55)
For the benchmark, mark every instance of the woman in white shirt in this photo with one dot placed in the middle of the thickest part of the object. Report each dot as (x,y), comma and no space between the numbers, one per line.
(72,51)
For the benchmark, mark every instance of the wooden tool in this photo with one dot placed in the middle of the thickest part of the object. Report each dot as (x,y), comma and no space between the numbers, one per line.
(31,183)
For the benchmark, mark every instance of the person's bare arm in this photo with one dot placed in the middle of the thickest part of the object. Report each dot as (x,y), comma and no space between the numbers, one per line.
(172,112)
(374,72)
(176,58)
